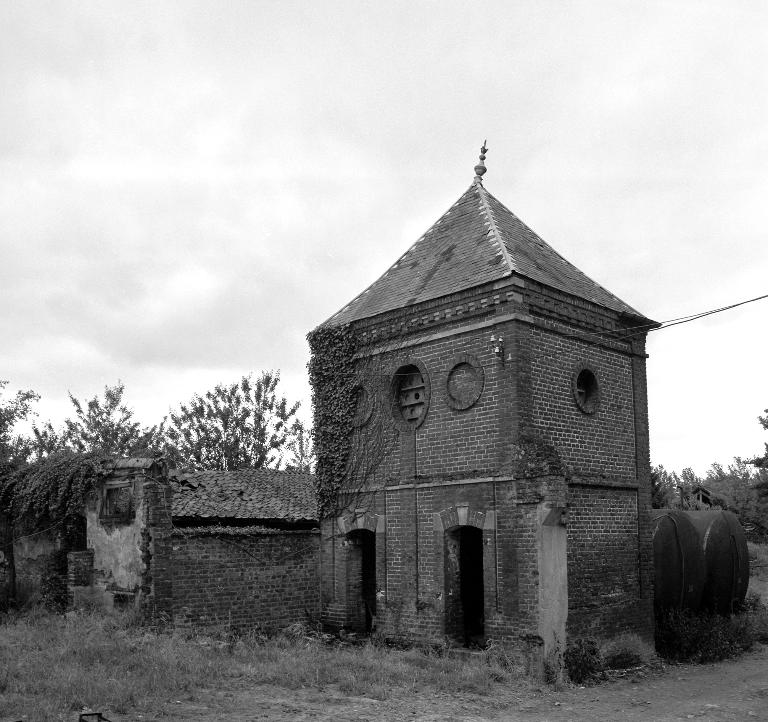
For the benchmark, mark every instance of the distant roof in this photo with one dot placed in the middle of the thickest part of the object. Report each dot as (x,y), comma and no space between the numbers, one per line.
(146,463)
(263,494)
(477,241)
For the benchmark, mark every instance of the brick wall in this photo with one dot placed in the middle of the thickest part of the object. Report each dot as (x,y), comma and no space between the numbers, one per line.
(413,590)
(450,441)
(31,555)
(524,446)
(157,563)
(596,444)
(604,586)
(267,579)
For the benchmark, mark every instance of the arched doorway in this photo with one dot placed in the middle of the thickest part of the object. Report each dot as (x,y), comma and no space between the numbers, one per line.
(361,580)
(464,593)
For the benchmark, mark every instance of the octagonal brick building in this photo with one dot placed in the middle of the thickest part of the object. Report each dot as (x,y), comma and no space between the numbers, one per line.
(496,483)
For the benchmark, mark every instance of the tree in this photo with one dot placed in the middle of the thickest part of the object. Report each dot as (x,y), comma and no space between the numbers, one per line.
(664,488)
(740,488)
(105,426)
(244,425)
(14,448)
(762,461)
(301,448)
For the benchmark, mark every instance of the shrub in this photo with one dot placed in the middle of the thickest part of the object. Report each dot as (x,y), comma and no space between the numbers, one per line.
(502,660)
(683,636)
(752,603)
(583,660)
(758,554)
(53,584)
(626,650)
(758,619)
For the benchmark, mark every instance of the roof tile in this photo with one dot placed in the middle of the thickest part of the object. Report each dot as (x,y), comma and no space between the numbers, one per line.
(244,494)
(476,241)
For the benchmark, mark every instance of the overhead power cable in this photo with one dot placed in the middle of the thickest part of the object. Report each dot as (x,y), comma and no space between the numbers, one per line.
(628,332)
(696,316)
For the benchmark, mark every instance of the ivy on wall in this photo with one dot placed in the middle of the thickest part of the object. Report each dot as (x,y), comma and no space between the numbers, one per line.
(333,380)
(51,490)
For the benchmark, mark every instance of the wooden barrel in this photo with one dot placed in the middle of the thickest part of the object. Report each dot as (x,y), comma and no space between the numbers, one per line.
(724,547)
(678,560)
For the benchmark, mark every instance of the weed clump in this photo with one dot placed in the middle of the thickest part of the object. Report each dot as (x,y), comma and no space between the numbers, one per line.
(583,660)
(682,636)
(625,651)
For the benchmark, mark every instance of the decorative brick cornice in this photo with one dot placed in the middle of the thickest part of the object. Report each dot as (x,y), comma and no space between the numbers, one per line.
(515,298)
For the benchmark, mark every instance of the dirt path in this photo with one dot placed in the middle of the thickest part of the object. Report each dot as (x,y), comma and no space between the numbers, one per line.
(736,690)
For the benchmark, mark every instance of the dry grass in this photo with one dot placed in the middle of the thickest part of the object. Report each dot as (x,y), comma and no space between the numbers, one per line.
(627,650)
(758,570)
(53,666)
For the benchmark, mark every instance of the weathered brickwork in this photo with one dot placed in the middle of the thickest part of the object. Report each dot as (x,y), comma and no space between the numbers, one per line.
(262,578)
(599,444)
(450,442)
(198,570)
(518,454)
(30,556)
(603,562)
(157,576)
(413,590)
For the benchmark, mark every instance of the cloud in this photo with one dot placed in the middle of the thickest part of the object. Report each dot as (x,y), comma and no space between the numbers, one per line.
(185,192)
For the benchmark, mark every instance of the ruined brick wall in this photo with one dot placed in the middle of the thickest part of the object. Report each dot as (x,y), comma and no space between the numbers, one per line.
(523,447)
(604,562)
(416,594)
(156,552)
(606,453)
(596,444)
(245,578)
(452,442)
(32,556)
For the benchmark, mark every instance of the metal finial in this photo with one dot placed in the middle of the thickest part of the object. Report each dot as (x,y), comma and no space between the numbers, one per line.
(480,167)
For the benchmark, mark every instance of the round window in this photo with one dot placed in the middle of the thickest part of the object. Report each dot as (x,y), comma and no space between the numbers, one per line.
(410,395)
(363,406)
(586,390)
(464,382)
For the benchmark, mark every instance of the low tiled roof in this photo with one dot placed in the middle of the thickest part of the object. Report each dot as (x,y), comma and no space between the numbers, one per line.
(142,463)
(477,241)
(263,494)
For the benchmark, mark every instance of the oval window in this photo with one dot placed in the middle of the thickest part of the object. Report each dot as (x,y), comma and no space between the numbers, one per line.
(586,391)
(410,395)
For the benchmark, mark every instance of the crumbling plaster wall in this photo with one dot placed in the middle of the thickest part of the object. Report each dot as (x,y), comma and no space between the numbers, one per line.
(117,549)
(31,558)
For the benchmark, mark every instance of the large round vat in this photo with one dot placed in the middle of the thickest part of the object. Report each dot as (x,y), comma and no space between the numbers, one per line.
(678,560)
(724,547)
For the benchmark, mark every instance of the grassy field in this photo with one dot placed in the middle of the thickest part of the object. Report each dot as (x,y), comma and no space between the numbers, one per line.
(758,570)
(53,666)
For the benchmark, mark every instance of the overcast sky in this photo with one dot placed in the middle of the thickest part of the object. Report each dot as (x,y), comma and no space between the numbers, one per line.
(186,189)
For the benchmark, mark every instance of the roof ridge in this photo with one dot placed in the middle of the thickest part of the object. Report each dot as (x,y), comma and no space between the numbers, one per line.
(393,266)
(558,254)
(488,211)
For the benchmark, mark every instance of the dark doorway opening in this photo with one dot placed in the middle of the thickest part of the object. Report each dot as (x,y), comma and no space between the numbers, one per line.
(464,609)
(361,580)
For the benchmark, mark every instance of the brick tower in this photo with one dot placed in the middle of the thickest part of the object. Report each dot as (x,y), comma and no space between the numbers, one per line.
(496,479)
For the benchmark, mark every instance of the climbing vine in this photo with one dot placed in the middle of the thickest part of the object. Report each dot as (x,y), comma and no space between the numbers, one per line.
(51,490)
(333,380)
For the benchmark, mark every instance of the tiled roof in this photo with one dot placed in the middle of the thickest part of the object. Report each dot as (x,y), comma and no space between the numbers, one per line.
(478,240)
(244,494)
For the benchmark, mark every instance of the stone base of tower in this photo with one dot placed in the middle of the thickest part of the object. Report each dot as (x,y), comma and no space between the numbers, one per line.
(472,562)
(461,563)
